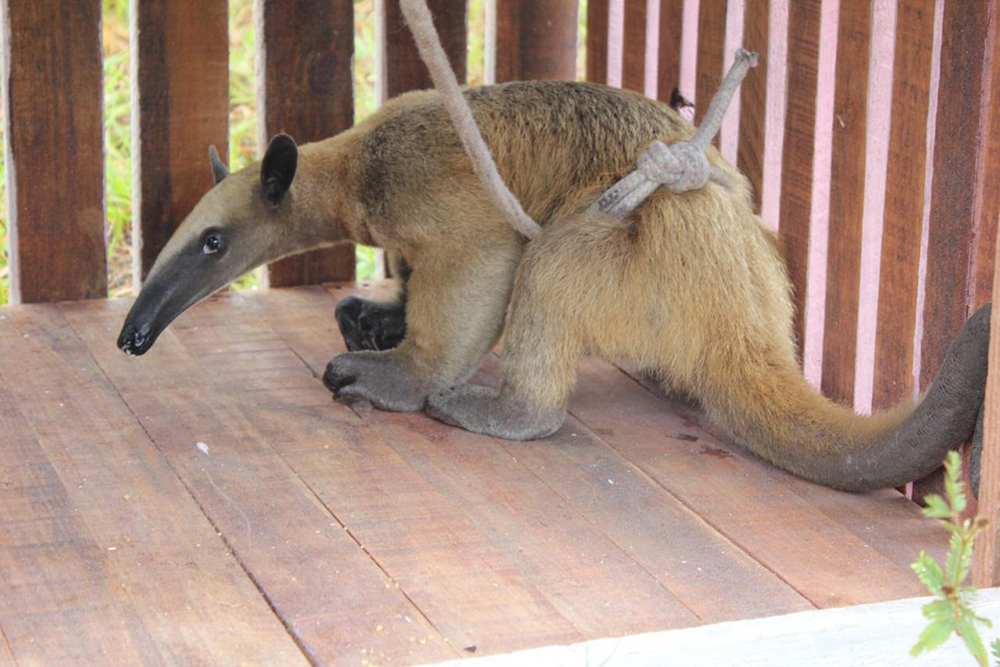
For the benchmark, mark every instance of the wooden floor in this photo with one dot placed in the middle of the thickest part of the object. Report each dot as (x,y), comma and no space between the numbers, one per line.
(209,502)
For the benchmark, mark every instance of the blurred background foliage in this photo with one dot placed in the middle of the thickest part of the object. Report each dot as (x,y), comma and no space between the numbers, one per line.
(242,121)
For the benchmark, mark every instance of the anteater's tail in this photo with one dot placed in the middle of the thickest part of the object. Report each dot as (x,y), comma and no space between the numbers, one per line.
(774,412)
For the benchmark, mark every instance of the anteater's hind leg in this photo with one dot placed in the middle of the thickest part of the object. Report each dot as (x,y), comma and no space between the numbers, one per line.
(561,281)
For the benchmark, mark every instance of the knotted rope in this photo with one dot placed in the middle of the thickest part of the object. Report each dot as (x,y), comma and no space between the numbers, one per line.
(681,167)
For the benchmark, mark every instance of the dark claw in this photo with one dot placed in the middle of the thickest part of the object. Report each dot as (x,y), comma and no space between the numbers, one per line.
(335,379)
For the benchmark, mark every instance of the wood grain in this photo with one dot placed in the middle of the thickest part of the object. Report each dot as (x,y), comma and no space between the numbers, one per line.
(669,48)
(597,40)
(799,147)
(402,69)
(54,138)
(711,55)
(959,180)
(634,46)
(182,106)
(753,97)
(988,194)
(319,579)
(847,199)
(305,88)
(104,552)
(472,590)
(904,204)
(698,566)
(902,529)
(747,500)
(536,39)
(986,563)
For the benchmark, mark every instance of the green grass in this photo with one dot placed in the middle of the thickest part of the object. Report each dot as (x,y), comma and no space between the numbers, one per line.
(242,121)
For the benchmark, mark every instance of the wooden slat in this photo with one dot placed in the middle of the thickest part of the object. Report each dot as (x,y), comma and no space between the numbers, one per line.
(711,54)
(961,161)
(181,73)
(988,196)
(847,199)
(669,48)
(305,89)
(403,69)
(799,147)
(53,110)
(103,551)
(753,96)
(536,39)
(597,40)
(323,584)
(904,204)
(820,558)
(470,588)
(886,520)
(707,572)
(692,561)
(634,46)
(986,568)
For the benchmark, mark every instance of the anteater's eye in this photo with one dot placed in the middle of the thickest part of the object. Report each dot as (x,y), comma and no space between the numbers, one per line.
(213,243)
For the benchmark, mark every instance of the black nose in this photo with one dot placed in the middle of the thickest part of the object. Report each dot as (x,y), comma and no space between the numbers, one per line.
(132,340)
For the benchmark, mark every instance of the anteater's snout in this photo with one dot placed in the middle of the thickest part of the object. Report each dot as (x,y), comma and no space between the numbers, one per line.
(134,340)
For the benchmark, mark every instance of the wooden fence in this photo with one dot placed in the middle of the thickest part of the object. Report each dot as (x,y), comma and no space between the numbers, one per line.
(870,130)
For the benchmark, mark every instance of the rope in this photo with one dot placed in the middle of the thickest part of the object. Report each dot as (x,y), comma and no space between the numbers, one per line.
(419,19)
(682,166)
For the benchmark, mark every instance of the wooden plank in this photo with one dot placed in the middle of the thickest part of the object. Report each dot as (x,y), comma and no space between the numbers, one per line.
(799,146)
(904,204)
(959,179)
(598,19)
(285,457)
(885,520)
(847,199)
(874,634)
(305,88)
(634,46)
(986,567)
(713,577)
(747,500)
(753,96)
(468,587)
(988,195)
(669,48)
(328,591)
(103,551)
(707,573)
(711,54)
(401,68)
(53,110)
(536,39)
(181,73)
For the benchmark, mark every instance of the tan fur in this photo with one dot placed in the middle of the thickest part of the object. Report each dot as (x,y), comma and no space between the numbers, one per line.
(691,286)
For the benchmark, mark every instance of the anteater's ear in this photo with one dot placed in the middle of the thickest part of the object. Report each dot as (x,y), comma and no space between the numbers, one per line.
(219,170)
(278,167)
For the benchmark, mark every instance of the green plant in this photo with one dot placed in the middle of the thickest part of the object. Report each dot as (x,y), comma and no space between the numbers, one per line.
(952,611)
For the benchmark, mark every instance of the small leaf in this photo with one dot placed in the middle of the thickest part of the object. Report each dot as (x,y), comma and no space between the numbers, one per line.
(936,508)
(973,641)
(996,648)
(933,636)
(929,573)
(937,610)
